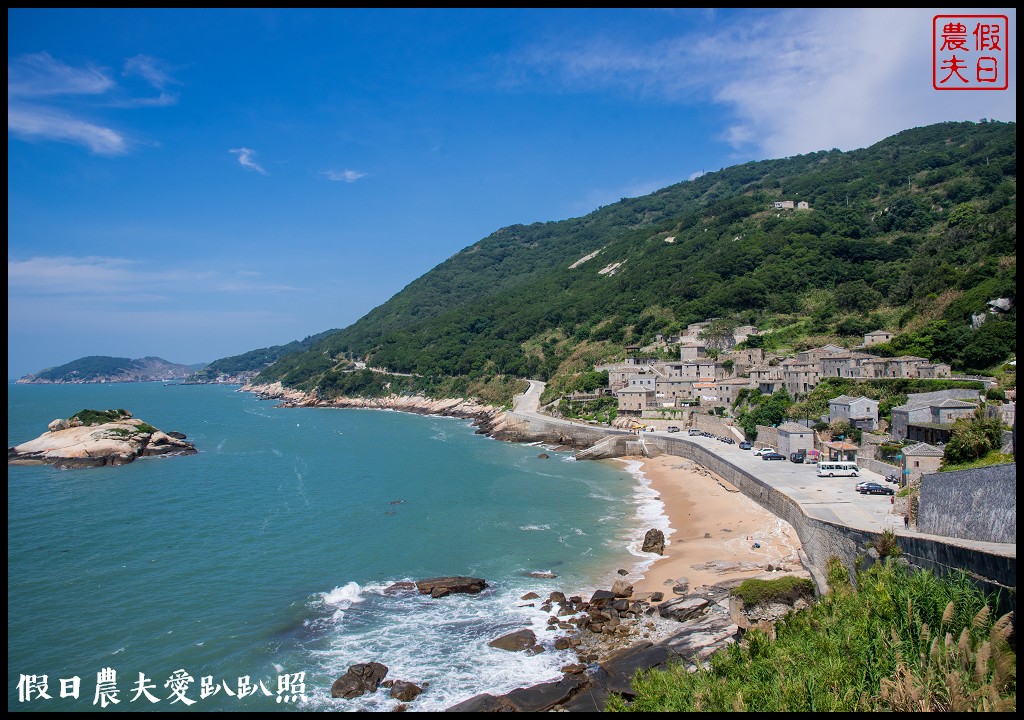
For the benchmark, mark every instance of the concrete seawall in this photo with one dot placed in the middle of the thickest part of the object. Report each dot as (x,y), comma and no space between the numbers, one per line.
(821,539)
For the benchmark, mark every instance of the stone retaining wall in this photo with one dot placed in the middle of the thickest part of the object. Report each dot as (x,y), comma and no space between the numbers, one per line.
(980,504)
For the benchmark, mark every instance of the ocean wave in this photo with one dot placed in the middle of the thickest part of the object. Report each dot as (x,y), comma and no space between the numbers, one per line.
(443,643)
(534,527)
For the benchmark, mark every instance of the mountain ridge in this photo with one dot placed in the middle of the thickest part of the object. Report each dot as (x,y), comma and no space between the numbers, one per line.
(914,234)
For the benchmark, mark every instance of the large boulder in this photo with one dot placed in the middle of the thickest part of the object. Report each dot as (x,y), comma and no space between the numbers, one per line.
(360,679)
(405,691)
(441,586)
(622,588)
(654,542)
(515,641)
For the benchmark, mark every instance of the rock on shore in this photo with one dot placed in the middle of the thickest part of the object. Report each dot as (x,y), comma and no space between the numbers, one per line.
(68,445)
(488,419)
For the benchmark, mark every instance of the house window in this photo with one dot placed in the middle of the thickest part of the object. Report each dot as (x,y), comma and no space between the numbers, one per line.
(917,463)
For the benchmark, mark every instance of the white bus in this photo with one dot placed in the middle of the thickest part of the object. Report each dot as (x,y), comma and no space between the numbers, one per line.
(837,468)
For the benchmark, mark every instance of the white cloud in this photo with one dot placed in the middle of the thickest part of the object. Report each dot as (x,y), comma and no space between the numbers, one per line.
(153,72)
(32,122)
(46,97)
(245,159)
(349,176)
(41,75)
(116,279)
(795,80)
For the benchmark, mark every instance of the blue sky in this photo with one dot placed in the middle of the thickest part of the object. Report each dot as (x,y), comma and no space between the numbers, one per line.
(198,183)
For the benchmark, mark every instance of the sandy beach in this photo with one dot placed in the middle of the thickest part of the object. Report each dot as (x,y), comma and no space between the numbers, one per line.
(716,532)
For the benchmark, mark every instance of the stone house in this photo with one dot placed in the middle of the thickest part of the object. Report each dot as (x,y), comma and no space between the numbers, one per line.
(693,369)
(729,389)
(706,390)
(904,366)
(673,389)
(619,373)
(877,338)
(934,370)
(799,378)
(920,459)
(647,381)
(803,205)
(928,421)
(861,412)
(794,437)
(743,360)
(845,365)
(874,368)
(634,400)
(693,351)
(783,204)
(766,378)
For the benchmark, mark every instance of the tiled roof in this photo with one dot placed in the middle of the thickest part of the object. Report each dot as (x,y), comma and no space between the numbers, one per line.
(923,449)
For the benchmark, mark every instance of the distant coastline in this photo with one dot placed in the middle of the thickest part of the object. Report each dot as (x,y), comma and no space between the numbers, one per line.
(103,369)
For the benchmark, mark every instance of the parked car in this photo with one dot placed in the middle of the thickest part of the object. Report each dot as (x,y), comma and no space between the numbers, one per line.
(873,488)
(762,451)
(745,445)
(797,457)
(861,485)
(773,456)
(672,428)
(693,431)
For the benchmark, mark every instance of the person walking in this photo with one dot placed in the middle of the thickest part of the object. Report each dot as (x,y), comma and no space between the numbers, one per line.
(906,521)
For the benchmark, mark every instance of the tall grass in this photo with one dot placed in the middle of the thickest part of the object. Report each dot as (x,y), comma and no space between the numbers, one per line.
(902,641)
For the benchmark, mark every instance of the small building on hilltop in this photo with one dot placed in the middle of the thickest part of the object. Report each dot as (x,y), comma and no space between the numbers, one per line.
(877,338)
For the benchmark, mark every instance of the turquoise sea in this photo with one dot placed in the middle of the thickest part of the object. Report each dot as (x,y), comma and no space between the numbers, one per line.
(267,554)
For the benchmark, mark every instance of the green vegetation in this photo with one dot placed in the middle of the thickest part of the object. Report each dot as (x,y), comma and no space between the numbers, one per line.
(99,417)
(914,234)
(495,390)
(993,457)
(762,409)
(902,641)
(254,360)
(887,545)
(602,409)
(783,590)
(973,438)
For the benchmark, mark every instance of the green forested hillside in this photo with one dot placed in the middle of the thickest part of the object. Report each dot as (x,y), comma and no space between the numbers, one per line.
(254,359)
(914,234)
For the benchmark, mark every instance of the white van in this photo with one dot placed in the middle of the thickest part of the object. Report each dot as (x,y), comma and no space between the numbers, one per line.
(837,468)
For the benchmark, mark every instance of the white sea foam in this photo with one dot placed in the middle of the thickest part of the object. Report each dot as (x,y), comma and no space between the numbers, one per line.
(341,599)
(534,527)
(440,642)
(649,514)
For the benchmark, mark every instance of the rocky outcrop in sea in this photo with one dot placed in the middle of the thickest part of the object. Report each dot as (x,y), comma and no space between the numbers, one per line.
(70,444)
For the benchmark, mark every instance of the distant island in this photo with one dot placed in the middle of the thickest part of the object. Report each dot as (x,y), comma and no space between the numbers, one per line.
(93,438)
(104,369)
